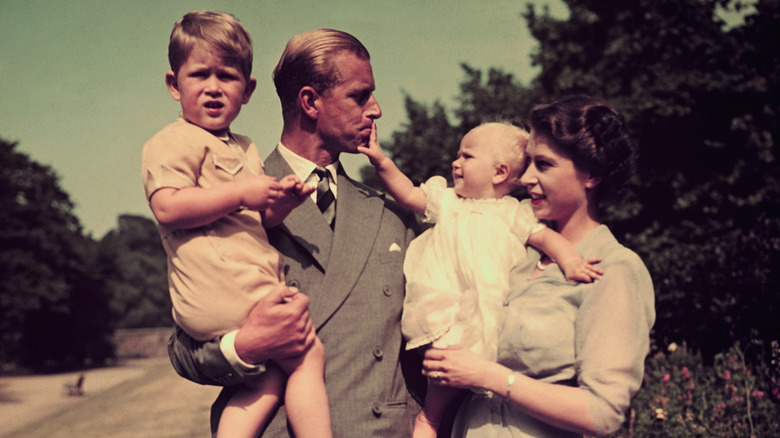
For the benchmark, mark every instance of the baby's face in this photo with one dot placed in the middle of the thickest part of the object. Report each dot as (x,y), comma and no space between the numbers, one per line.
(211,90)
(475,166)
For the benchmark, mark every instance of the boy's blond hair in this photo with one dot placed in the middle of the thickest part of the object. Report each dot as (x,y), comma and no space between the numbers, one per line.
(509,148)
(221,31)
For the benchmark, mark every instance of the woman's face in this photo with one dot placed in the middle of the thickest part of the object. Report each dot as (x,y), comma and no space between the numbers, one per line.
(557,188)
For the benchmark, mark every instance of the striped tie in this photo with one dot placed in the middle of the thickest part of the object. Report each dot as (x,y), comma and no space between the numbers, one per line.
(325,199)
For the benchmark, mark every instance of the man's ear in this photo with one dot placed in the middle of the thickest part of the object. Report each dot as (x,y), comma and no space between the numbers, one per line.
(501,173)
(173,85)
(251,84)
(308,99)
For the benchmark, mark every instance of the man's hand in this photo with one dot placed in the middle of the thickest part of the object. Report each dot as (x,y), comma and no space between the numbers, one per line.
(277,327)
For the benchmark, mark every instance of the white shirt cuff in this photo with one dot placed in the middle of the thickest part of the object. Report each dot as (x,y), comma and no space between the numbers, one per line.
(228,347)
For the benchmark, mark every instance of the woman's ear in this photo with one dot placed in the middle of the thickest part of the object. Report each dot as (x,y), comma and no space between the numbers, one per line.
(592,181)
(308,99)
(173,85)
(501,173)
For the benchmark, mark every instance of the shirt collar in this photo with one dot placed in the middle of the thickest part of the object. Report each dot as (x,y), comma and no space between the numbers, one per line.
(224,134)
(303,167)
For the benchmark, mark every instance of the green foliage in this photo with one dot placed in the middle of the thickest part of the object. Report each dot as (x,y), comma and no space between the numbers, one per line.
(702,99)
(683,397)
(134,266)
(54,312)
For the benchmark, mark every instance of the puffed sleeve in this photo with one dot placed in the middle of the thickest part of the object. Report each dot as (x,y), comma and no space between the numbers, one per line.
(434,190)
(612,338)
(172,158)
(524,221)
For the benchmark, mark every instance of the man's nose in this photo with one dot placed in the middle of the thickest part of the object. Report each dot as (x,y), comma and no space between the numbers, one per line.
(373,111)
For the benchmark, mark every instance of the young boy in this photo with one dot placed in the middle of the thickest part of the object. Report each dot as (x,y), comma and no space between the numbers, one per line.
(207,190)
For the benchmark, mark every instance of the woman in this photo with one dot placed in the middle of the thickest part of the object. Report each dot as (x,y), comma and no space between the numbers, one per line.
(570,355)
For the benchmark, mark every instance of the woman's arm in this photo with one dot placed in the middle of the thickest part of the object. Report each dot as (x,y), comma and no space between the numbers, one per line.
(561,406)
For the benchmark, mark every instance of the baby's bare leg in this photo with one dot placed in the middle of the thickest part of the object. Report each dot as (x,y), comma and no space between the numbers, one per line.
(306,401)
(251,407)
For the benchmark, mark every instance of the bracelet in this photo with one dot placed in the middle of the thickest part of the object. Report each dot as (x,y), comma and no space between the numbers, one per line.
(509,382)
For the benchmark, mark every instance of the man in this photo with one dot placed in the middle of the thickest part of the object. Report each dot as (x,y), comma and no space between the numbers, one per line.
(348,266)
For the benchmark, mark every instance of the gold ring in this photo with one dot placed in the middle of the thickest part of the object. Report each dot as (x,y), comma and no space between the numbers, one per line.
(436,375)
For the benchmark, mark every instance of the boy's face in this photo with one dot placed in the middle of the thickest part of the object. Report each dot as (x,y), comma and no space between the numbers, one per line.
(211,90)
(475,167)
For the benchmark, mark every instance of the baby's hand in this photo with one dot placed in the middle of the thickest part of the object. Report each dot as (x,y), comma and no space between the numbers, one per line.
(581,270)
(373,151)
(258,192)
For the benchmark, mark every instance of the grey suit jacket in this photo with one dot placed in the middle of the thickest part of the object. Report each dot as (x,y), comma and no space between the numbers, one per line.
(354,278)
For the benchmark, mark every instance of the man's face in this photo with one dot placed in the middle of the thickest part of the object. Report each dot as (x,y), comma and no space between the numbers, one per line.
(346,111)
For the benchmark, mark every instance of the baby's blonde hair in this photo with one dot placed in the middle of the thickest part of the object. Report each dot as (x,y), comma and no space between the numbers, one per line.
(510,148)
(221,31)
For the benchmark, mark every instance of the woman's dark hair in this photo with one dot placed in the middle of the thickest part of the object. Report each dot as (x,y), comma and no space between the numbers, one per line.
(594,135)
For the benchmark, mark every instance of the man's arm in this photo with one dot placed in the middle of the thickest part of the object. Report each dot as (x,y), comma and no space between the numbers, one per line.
(277,327)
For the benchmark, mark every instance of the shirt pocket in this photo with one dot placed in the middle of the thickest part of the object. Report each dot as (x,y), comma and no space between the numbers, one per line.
(231,165)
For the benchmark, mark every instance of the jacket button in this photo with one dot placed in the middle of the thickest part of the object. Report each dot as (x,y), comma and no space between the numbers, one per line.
(376,409)
(387,291)
(293,283)
(378,353)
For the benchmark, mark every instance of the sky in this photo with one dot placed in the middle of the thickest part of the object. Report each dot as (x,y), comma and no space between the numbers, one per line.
(82,81)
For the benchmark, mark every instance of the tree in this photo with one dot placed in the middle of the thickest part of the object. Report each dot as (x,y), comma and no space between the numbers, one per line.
(701,98)
(54,311)
(134,265)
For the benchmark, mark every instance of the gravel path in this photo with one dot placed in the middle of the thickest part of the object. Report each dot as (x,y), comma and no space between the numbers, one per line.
(141,398)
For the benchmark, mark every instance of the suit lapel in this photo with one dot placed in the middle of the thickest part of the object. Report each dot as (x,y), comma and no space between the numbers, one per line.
(358,216)
(305,224)
(341,253)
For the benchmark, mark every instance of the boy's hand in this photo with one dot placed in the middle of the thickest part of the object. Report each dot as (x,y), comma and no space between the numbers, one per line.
(581,270)
(293,192)
(259,191)
(373,151)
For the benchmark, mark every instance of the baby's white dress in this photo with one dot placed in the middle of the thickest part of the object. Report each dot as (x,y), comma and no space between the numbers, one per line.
(457,272)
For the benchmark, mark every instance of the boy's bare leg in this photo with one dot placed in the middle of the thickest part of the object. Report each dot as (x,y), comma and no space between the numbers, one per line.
(251,407)
(437,400)
(306,401)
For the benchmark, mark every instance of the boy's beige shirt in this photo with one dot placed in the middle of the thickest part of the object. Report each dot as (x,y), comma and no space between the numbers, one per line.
(217,272)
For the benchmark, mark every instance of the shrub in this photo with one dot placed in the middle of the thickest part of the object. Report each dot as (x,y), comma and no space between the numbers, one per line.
(684,397)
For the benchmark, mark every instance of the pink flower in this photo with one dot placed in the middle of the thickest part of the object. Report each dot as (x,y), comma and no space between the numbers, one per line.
(686,374)
(757,393)
(727,375)
(667,378)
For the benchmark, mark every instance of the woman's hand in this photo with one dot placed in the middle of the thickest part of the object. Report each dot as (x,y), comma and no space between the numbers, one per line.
(457,367)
